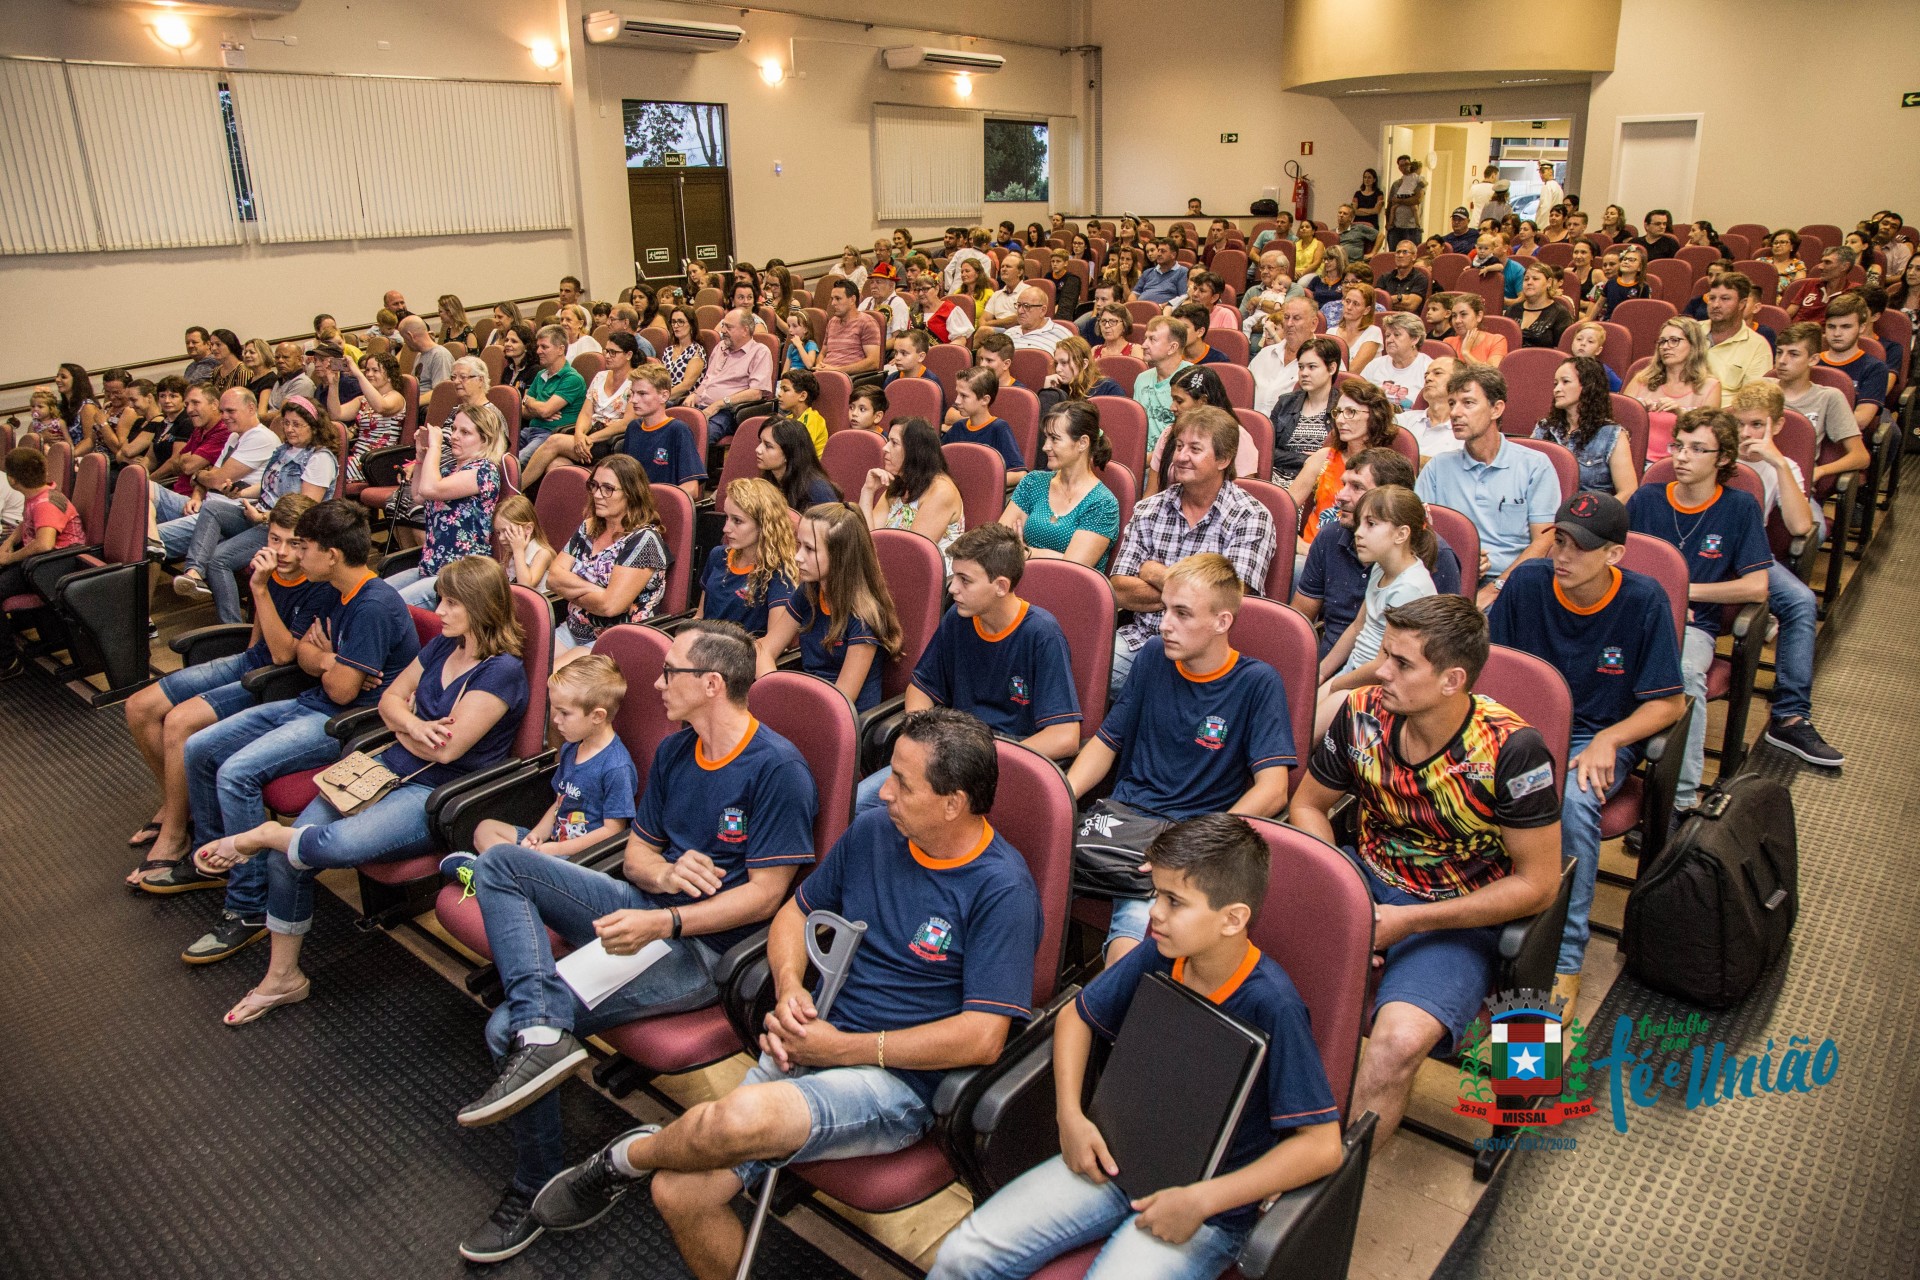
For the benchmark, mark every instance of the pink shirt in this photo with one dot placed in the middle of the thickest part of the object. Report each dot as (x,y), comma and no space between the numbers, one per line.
(731,372)
(847,340)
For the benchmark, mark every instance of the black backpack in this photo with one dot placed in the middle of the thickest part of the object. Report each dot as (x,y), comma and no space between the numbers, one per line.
(1706,919)
(1265,208)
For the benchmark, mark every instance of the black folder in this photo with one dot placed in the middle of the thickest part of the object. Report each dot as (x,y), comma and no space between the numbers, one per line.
(1173,1089)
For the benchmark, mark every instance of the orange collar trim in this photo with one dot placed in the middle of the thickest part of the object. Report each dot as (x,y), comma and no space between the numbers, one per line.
(932,863)
(1225,991)
(1233,657)
(300,581)
(1613,589)
(735,569)
(655,426)
(700,755)
(1673,500)
(994,637)
(346,597)
(1827,359)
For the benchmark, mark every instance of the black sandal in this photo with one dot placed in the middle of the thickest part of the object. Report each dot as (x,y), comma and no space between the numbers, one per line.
(144,836)
(150,864)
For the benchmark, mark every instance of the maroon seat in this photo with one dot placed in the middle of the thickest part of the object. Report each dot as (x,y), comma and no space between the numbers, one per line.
(1260,428)
(1566,468)
(741,463)
(913,398)
(1529,373)
(1632,417)
(1536,691)
(561,507)
(836,393)
(1660,561)
(677,527)
(1459,533)
(1286,528)
(1020,408)
(1125,488)
(1280,636)
(1233,343)
(1031,367)
(850,455)
(507,401)
(60,466)
(1556,255)
(1124,421)
(1081,601)
(89,495)
(1121,369)
(980,473)
(1642,318)
(916,578)
(1697,257)
(1237,381)
(946,361)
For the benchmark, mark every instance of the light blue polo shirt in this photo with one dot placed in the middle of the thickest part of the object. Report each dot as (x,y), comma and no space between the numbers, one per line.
(1502,498)
(1155,394)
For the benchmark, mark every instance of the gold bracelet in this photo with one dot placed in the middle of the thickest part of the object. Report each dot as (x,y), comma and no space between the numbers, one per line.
(882,1050)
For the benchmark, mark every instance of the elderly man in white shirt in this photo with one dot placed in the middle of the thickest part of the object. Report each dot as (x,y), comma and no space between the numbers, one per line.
(1432,427)
(1034,329)
(1274,370)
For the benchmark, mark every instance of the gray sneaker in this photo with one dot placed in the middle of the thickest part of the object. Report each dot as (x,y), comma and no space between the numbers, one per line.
(530,1071)
(506,1233)
(579,1196)
(233,934)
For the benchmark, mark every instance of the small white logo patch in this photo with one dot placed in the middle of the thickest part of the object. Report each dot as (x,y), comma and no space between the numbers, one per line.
(1529,782)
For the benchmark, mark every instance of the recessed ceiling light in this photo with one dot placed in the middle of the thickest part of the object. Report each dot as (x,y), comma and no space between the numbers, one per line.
(1529,80)
(1351,91)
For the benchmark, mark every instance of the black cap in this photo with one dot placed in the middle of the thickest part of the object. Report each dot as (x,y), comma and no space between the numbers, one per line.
(1461,212)
(1594,519)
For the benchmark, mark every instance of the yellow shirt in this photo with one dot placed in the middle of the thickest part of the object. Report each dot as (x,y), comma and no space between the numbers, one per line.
(1307,254)
(817,428)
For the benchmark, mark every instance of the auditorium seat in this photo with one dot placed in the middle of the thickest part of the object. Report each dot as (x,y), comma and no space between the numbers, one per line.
(93,598)
(1020,408)
(912,398)
(1529,373)
(980,473)
(1124,422)
(1081,601)
(848,458)
(1286,528)
(1565,468)
(1459,533)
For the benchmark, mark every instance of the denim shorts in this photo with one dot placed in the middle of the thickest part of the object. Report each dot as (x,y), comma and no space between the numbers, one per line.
(217,683)
(855,1111)
(1447,972)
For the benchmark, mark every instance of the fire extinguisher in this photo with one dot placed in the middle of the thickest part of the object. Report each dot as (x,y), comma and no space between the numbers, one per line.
(1302,190)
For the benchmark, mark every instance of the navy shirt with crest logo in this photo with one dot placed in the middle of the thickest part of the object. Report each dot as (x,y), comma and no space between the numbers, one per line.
(665,451)
(943,937)
(298,603)
(1017,682)
(1721,540)
(728,594)
(372,631)
(1191,744)
(995,434)
(1615,655)
(820,656)
(753,808)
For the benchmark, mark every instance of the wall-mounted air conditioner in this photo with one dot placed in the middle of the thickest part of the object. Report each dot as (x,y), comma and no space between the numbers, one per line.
(607,27)
(207,8)
(917,57)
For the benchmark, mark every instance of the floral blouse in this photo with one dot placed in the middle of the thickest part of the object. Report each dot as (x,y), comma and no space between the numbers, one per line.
(641,549)
(464,526)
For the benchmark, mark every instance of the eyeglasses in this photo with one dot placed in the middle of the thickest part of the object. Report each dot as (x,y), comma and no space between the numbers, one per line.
(1670,341)
(669,673)
(599,490)
(1695,450)
(1030,306)
(1347,412)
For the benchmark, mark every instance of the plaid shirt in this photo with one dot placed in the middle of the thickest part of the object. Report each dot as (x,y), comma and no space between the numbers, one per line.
(1236,526)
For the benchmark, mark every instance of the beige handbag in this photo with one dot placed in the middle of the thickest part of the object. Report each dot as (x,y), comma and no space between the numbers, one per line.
(358,780)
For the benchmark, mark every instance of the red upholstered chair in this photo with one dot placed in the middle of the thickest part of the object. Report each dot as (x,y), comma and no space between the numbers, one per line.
(1446,269)
(1616,352)
(1142,312)
(1233,343)
(1122,369)
(1316,922)
(1529,373)
(1260,427)
(1031,367)
(88,493)
(740,462)
(1797,440)
(495,358)
(1238,383)
(1231,266)
(60,466)
(1556,255)
(1286,528)
(1491,288)
(850,455)
(1081,601)
(1697,256)
(588,364)
(916,578)
(1280,636)
(980,473)
(945,361)
(836,391)
(1672,280)
(677,527)
(1458,532)
(1632,417)
(1504,327)
(562,505)
(1021,410)
(1403,443)
(696,421)
(1642,318)
(913,398)
(1434,349)
(1732,676)
(1825,232)
(98,593)
(1533,689)
(1565,468)
(1756,234)
(1125,487)
(1124,421)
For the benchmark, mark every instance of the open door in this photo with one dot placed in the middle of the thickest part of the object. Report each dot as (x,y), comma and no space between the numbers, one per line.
(679,189)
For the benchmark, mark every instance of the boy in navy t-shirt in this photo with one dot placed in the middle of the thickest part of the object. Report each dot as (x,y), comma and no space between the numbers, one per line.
(355,648)
(1720,534)
(1199,728)
(996,656)
(663,446)
(945,968)
(725,821)
(1611,633)
(973,395)
(1210,877)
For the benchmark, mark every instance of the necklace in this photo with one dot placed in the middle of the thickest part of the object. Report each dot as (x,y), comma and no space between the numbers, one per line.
(1684,538)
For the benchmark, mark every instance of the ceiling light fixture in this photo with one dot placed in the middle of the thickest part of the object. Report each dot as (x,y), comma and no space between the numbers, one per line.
(963,85)
(173,31)
(546,55)
(1529,80)
(1383,90)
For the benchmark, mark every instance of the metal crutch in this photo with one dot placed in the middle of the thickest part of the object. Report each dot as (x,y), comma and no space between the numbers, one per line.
(833,965)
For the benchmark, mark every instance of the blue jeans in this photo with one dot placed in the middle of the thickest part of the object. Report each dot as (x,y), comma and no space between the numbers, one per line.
(176,526)
(1050,1210)
(1696,657)
(531,438)
(868,795)
(1122,664)
(416,587)
(720,424)
(522,895)
(217,683)
(853,1111)
(394,826)
(227,766)
(224,542)
(1580,840)
(1795,608)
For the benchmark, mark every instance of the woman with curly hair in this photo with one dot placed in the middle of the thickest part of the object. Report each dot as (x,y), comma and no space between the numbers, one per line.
(1581,421)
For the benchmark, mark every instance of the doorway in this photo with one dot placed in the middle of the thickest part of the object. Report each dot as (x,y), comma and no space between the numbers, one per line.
(1456,154)
(1655,160)
(679,188)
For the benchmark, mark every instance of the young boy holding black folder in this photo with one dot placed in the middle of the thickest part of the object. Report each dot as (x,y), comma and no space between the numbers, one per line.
(1209,875)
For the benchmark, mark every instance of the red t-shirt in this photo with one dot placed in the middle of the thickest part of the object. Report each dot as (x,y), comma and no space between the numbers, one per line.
(206,444)
(48,510)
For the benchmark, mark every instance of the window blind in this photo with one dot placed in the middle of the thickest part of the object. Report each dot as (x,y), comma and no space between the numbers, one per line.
(928,162)
(44,204)
(156,146)
(1067,189)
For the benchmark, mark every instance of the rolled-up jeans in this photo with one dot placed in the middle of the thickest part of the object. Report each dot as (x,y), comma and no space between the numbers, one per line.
(224,542)
(394,826)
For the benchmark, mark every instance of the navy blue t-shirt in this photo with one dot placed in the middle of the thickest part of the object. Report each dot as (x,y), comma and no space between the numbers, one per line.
(372,631)
(593,790)
(943,937)
(297,603)
(1615,655)
(503,675)
(1291,1091)
(755,808)
(1334,576)
(1017,682)
(1191,745)
(1869,374)
(996,435)
(1721,541)
(666,451)
(727,595)
(819,658)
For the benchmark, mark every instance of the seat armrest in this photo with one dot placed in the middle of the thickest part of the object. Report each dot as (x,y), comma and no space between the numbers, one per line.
(401,561)
(738,956)
(1530,946)
(47,568)
(353,722)
(381,467)
(205,644)
(1665,753)
(749,995)
(874,730)
(996,1122)
(1752,616)
(278,683)
(515,791)
(1309,1230)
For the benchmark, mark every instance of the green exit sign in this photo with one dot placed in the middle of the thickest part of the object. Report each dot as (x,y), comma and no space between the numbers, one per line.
(1910,99)
(1229,137)
(1469,108)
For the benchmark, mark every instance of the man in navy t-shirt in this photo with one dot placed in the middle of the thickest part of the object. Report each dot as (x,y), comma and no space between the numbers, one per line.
(1720,534)
(1210,877)
(1198,728)
(997,657)
(1846,323)
(944,970)
(724,821)
(1333,584)
(355,646)
(1612,634)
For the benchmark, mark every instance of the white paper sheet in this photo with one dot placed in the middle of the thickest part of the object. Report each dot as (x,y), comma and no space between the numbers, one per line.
(594,974)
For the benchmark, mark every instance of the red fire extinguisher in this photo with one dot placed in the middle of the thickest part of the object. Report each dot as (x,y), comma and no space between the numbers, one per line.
(1302,190)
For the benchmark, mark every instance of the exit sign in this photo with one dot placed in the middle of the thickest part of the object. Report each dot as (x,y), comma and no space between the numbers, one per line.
(1910,99)
(1229,137)
(1469,108)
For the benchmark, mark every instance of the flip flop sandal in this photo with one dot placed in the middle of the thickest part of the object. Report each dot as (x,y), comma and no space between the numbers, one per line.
(224,845)
(253,1006)
(144,836)
(181,877)
(151,864)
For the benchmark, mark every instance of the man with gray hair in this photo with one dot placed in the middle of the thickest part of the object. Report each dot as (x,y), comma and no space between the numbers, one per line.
(624,319)
(1034,329)
(1406,286)
(739,373)
(1401,367)
(290,368)
(431,361)
(1827,281)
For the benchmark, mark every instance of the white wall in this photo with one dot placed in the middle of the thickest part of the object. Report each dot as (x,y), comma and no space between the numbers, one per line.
(1786,137)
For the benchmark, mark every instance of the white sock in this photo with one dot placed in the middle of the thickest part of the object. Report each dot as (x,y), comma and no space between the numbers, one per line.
(625,1166)
(540,1035)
